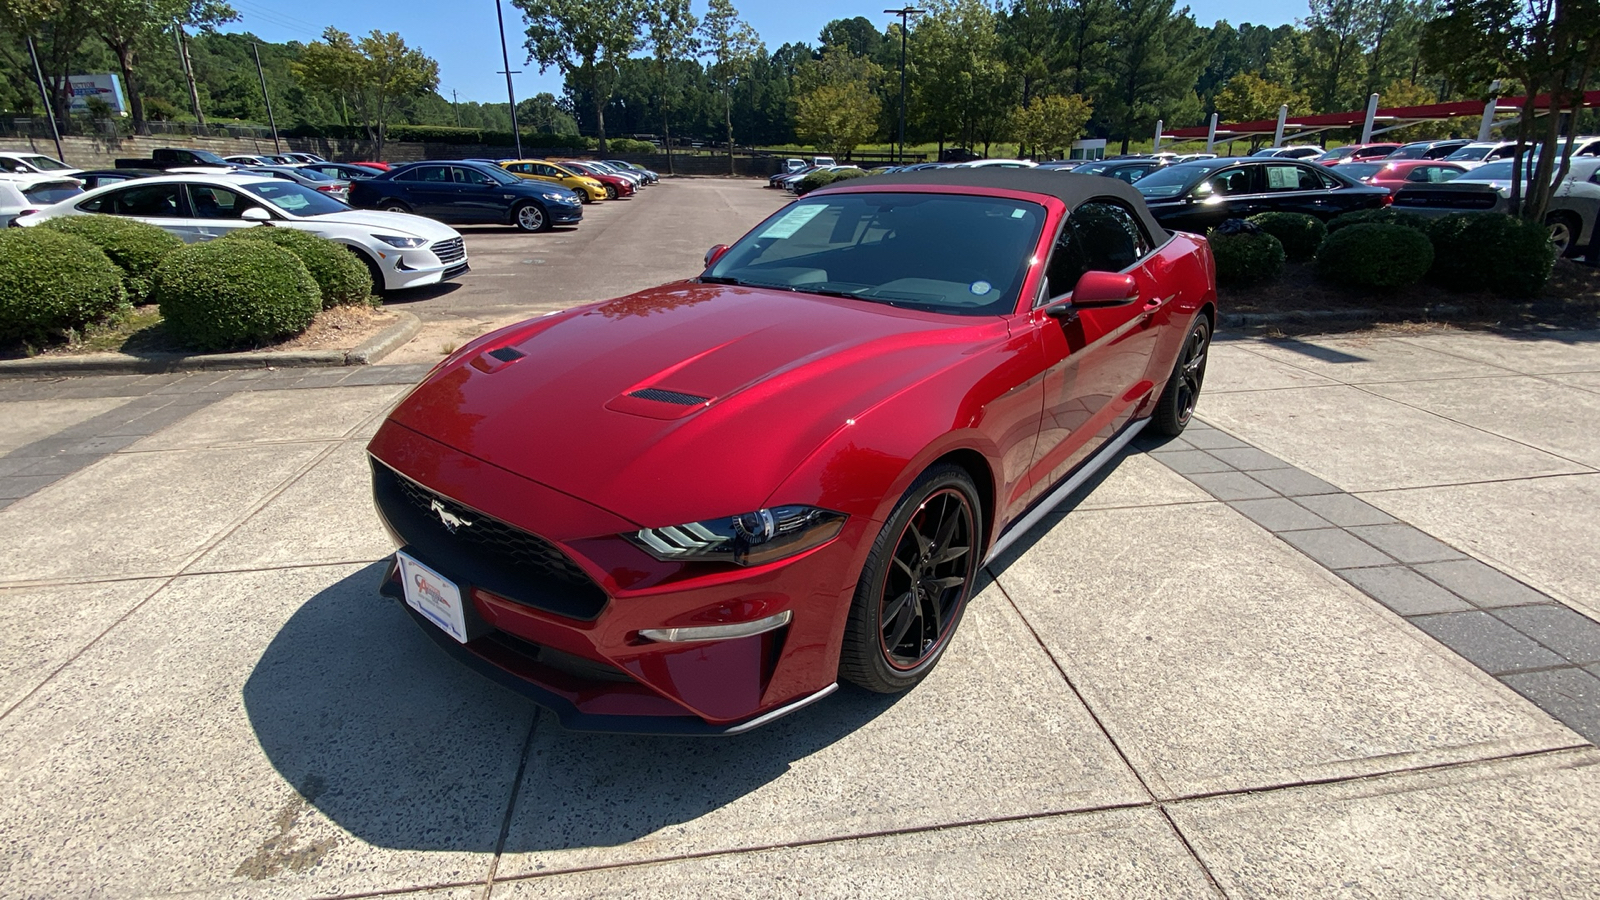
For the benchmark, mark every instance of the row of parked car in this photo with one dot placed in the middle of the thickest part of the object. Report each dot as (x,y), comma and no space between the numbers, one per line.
(396,219)
(1194,192)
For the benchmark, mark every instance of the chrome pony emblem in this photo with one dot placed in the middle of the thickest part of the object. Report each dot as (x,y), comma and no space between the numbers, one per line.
(451,520)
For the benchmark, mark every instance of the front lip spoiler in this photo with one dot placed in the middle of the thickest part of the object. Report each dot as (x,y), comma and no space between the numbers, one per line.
(573,720)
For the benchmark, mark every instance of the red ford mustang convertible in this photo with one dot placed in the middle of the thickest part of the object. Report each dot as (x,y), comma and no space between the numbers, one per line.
(697,508)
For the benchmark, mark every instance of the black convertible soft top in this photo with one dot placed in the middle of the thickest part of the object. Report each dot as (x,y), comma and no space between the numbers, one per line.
(1073,190)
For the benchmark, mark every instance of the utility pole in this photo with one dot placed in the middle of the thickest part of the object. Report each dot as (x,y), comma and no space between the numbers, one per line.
(256,49)
(905,15)
(510,95)
(188,71)
(455,104)
(44,94)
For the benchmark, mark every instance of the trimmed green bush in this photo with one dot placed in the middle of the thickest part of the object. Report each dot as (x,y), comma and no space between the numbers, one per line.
(226,294)
(1383,216)
(815,180)
(340,276)
(50,282)
(1246,258)
(136,247)
(1299,233)
(1510,256)
(1375,257)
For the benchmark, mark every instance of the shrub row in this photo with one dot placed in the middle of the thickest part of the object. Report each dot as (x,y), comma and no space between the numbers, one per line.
(1384,250)
(256,285)
(823,178)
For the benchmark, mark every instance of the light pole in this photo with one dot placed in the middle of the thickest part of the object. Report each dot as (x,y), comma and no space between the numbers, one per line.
(511,96)
(905,15)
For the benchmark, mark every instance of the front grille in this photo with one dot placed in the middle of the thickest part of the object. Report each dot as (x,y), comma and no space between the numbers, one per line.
(484,551)
(674,397)
(1446,199)
(453,250)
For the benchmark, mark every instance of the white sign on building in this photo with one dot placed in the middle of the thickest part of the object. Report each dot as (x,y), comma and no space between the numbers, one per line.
(105,85)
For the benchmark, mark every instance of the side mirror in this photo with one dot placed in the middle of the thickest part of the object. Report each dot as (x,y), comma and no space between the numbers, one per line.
(256,214)
(1097,289)
(715,253)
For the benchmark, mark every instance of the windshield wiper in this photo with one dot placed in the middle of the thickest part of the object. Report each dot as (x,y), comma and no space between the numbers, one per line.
(719,279)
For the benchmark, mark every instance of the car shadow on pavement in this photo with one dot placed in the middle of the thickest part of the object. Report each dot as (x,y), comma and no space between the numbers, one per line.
(426,292)
(403,747)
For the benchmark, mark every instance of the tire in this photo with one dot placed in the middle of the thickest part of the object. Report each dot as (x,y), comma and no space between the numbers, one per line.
(1176,406)
(378,288)
(1564,232)
(394,206)
(923,598)
(530,217)
(611,192)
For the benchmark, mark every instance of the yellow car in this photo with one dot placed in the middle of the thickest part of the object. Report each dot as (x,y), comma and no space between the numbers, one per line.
(544,170)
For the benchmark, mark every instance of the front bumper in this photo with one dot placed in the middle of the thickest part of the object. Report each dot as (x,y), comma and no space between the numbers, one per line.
(564,215)
(565,628)
(438,262)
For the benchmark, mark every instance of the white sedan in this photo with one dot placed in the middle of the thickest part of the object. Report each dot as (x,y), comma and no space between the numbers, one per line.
(21,163)
(29,192)
(401,250)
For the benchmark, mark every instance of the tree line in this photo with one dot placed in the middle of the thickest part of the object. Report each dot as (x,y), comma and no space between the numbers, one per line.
(1034,73)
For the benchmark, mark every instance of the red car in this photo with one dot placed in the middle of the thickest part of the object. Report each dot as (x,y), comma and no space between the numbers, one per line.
(616,185)
(699,507)
(1350,153)
(1396,174)
(381,166)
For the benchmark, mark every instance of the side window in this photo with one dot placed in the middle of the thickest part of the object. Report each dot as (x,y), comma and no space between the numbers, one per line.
(1100,236)
(216,203)
(1500,153)
(1291,178)
(520,168)
(1228,183)
(546,171)
(430,174)
(155,200)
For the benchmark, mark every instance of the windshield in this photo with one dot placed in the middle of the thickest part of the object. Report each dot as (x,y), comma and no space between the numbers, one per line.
(44,163)
(207,156)
(1470,153)
(1359,171)
(939,252)
(297,199)
(1410,151)
(51,191)
(501,176)
(1174,180)
(1339,152)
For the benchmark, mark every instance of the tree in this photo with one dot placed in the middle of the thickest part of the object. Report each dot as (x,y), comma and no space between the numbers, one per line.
(584,39)
(61,27)
(375,73)
(1338,32)
(1152,65)
(836,103)
(963,86)
(127,25)
(1548,46)
(731,44)
(544,114)
(670,32)
(857,36)
(1251,98)
(1052,123)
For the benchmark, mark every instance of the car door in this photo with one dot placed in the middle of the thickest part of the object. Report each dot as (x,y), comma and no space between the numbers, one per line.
(429,191)
(1289,186)
(478,196)
(1095,359)
(1230,193)
(162,205)
(216,211)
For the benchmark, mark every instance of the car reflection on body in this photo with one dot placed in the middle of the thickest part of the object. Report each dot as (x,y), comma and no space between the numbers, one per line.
(696,508)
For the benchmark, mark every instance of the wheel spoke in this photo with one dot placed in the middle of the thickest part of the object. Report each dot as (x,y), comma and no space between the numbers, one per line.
(907,614)
(904,567)
(948,554)
(923,544)
(947,530)
(940,585)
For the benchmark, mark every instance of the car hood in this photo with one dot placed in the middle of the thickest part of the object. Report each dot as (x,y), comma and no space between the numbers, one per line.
(684,402)
(378,220)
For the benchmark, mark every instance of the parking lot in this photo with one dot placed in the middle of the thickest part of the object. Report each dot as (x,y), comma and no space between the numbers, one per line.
(1340,639)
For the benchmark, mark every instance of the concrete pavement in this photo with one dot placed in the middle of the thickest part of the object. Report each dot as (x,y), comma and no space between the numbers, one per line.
(1338,640)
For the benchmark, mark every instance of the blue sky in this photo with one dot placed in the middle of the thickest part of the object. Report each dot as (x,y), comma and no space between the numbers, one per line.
(463,38)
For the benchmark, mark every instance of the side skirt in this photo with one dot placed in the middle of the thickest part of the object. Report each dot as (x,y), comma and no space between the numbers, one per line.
(1079,475)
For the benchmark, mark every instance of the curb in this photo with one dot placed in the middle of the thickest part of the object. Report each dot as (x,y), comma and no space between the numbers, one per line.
(1310,317)
(367,353)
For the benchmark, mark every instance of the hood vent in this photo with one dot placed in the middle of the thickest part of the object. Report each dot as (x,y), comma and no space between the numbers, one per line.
(507,354)
(674,397)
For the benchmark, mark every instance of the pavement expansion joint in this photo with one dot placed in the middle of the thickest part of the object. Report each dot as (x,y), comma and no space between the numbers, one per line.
(1400,567)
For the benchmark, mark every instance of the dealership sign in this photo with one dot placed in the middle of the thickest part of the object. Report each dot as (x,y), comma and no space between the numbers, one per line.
(104,85)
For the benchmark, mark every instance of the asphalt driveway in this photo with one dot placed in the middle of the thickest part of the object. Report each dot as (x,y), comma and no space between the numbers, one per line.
(1339,640)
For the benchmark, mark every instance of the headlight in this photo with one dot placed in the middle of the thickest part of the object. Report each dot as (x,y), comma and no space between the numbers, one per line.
(394,240)
(554,197)
(751,539)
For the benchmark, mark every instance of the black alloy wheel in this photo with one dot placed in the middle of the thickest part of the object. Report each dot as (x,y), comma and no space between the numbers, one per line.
(916,584)
(611,192)
(1177,403)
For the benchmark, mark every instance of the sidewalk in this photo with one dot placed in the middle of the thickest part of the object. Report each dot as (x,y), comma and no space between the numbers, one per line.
(1339,639)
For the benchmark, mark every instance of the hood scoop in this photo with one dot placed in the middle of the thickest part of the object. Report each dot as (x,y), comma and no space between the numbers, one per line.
(675,397)
(658,403)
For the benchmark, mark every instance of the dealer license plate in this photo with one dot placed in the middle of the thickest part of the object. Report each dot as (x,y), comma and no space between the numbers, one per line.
(435,596)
